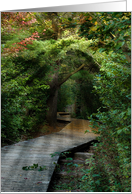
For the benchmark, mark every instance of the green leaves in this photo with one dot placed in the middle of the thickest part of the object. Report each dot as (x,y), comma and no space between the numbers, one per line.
(25,168)
(111,31)
(55,154)
(69,158)
(87,131)
(113,88)
(35,165)
(30,167)
(101,50)
(41,168)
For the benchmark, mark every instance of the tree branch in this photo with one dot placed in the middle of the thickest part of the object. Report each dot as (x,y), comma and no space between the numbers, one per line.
(95,60)
(71,74)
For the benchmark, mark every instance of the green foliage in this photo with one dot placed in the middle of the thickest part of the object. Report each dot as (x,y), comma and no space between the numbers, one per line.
(86,101)
(61,154)
(110,31)
(110,169)
(96,179)
(41,168)
(55,154)
(24,94)
(70,163)
(65,95)
(113,86)
(27,70)
(25,78)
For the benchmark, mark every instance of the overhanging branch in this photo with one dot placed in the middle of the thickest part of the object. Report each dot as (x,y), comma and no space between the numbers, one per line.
(65,79)
(94,60)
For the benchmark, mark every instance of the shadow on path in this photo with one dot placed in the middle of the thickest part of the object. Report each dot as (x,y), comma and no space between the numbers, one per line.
(38,151)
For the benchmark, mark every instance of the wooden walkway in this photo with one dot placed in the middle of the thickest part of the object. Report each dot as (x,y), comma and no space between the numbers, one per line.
(37,151)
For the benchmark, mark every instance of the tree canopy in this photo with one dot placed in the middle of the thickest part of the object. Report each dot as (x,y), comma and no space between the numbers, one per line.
(45,54)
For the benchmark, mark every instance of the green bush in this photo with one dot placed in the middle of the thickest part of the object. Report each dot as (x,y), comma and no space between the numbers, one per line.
(24,94)
(87,102)
(114,150)
(65,95)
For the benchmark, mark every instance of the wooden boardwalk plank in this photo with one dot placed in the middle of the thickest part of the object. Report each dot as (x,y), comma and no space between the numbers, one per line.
(38,151)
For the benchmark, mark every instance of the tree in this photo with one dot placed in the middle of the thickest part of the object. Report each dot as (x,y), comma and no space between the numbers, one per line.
(24,84)
(111,35)
(86,102)
(64,57)
(56,25)
(100,27)
(24,94)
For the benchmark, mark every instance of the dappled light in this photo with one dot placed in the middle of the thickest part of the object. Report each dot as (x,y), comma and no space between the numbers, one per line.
(65,80)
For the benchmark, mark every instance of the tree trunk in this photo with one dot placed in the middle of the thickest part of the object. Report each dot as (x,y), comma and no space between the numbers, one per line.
(53,96)
(52,108)
(52,101)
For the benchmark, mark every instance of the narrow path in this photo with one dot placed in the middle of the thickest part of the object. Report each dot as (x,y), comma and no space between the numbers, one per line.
(37,151)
